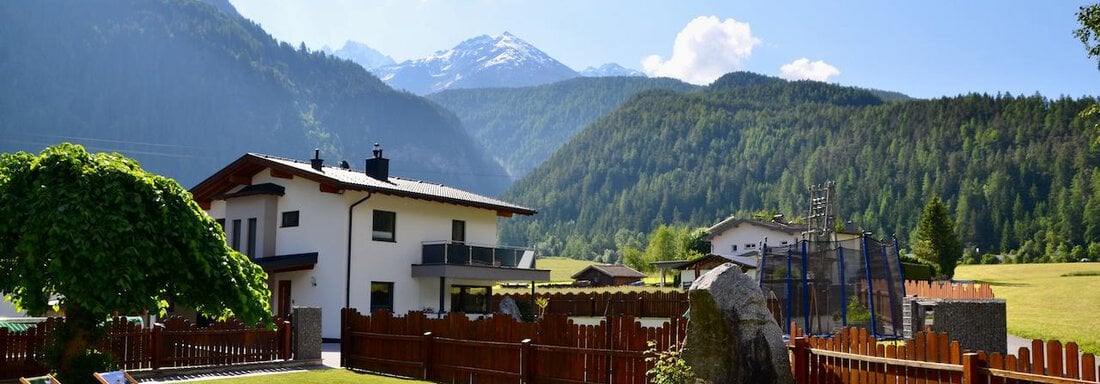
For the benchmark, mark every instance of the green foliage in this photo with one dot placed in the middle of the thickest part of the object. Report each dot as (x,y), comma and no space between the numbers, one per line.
(668,366)
(1089,33)
(857,312)
(105,236)
(936,238)
(1006,167)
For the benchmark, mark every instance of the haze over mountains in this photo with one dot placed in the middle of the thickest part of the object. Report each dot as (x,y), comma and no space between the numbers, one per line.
(186,88)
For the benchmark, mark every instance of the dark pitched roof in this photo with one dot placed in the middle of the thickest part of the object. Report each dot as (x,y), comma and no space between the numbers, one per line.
(257,189)
(336,178)
(732,222)
(612,270)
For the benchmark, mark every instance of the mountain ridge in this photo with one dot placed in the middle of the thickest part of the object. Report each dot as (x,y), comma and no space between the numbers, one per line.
(484,61)
(186,88)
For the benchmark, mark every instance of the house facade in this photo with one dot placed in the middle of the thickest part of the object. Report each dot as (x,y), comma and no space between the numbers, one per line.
(334,237)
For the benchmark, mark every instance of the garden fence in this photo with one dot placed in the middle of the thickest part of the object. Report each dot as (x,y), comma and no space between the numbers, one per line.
(852,356)
(176,343)
(499,349)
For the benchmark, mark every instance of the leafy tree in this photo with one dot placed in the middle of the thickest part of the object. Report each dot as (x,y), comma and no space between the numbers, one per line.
(103,235)
(936,238)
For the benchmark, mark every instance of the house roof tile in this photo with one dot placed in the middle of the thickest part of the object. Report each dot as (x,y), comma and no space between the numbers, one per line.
(348,179)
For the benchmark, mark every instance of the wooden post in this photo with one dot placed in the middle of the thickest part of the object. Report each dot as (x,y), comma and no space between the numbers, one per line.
(801,363)
(156,342)
(526,357)
(971,371)
(284,340)
(428,341)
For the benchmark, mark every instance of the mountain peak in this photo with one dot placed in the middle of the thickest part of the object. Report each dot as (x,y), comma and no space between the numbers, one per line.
(611,70)
(363,55)
(500,60)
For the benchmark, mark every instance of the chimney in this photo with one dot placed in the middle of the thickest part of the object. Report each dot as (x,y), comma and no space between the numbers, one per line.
(378,167)
(316,161)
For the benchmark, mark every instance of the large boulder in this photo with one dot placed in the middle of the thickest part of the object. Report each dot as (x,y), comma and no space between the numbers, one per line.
(732,337)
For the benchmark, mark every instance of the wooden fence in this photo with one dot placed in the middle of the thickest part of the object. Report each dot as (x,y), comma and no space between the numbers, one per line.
(854,357)
(176,343)
(500,349)
(948,290)
(601,304)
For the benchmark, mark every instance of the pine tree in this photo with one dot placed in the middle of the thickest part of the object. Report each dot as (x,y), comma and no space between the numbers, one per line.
(936,238)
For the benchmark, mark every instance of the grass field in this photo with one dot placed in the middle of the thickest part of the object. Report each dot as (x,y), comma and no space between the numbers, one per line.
(1046,301)
(328,376)
(561,268)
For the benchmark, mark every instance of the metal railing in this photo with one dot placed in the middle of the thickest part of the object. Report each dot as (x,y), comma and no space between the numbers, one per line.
(458,253)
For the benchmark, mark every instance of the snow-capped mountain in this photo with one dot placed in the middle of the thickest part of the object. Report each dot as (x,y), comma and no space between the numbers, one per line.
(611,70)
(485,61)
(363,55)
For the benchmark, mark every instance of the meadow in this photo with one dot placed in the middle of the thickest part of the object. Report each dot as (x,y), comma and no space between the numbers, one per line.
(1046,301)
(329,376)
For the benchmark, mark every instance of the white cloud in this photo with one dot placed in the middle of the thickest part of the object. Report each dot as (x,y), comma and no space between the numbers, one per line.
(804,69)
(704,50)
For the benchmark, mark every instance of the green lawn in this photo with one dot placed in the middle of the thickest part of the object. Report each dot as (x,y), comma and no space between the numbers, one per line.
(1046,301)
(328,376)
(562,268)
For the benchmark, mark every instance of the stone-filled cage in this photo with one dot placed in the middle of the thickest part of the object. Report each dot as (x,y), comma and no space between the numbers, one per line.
(823,286)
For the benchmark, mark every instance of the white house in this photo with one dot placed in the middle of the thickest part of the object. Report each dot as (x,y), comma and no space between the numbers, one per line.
(735,237)
(335,237)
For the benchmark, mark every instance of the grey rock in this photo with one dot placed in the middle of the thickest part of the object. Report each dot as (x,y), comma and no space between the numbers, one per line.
(508,306)
(732,338)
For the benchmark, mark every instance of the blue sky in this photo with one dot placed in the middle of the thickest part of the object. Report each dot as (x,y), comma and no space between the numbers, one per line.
(921,48)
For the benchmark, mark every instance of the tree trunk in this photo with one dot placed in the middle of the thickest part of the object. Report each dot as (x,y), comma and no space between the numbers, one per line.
(73,345)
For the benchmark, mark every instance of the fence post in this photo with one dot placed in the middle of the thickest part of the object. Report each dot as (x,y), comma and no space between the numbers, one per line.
(526,359)
(801,363)
(156,341)
(971,371)
(284,340)
(428,341)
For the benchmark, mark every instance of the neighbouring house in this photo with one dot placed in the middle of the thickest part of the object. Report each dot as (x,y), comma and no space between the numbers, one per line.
(607,275)
(334,237)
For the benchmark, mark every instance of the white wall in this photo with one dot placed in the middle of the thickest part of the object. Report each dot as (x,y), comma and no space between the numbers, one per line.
(322,228)
(745,233)
(7,309)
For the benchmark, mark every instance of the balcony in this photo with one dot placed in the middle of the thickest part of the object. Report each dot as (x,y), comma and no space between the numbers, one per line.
(473,261)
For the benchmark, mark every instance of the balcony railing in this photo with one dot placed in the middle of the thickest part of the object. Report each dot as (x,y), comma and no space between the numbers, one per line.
(454,253)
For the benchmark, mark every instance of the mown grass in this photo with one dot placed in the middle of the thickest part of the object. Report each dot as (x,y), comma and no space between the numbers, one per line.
(328,376)
(562,269)
(1046,301)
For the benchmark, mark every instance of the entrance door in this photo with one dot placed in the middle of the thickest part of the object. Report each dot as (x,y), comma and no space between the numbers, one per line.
(284,298)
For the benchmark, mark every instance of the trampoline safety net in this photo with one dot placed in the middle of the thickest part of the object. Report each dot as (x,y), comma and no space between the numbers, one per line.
(825,286)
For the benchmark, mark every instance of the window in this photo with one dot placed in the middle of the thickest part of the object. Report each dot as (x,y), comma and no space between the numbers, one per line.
(381,296)
(470,299)
(458,231)
(235,241)
(290,219)
(747,246)
(251,246)
(733,247)
(783,243)
(385,225)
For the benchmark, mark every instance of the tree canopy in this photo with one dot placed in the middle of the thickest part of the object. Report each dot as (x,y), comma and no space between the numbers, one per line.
(104,234)
(936,238)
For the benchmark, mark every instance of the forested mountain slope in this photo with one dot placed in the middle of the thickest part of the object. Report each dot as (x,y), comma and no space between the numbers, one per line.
(1017,172)
(521,127)
(185,89)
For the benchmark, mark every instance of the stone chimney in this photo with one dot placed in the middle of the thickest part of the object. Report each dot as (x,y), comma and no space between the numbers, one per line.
(378,167)
(316,161)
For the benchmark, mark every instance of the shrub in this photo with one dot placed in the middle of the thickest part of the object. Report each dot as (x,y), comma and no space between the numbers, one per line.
(669,366)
